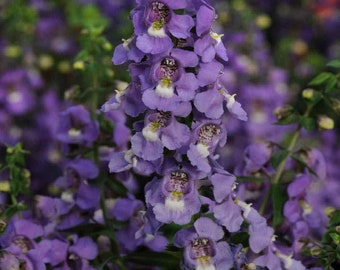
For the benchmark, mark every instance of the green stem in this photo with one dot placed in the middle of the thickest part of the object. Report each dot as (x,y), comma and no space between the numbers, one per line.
(280,168)
(276,178)
(94,105)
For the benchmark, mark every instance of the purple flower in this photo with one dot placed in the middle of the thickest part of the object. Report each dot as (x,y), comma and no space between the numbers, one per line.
(206,136)
(17,91)
(209,72)
(160,129)
(171,85)
(174,198)
(8,261)
(18,239)
(210,46)
(202,249)
(292,210)
(223,183)
(261,235)
(210,102)
(269,260)
(229,214)
(155,21)
(298,186)
(76,127)
(53,252)
(126,160)
(142,227)
(127,51)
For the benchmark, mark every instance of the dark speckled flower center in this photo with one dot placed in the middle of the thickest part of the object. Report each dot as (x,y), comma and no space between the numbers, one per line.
(201,248)
(163,118)
(179,182)
(169,68)
(159,12)
(23,242)
(207,132)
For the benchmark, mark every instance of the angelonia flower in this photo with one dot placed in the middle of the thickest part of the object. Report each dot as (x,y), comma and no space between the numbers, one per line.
(177,105)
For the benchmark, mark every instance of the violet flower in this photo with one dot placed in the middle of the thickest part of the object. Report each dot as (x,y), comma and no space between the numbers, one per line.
(203,250)
(174,198)
(76,127)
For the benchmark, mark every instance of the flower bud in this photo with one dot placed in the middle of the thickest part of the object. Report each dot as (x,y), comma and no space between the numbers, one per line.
(325,122)
(64,67)
(299,47)
(315,251)
(45,61)
(79,65)
(5,186)
(308,93)
(12,51)
(283,112)
(263,21)
(107,46)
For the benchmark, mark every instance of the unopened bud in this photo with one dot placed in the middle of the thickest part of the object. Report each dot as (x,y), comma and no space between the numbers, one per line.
(329,211)
(337,229)
(79,65)
(45,61)
(107,46)
(64,67)
(283,112)
(3,224)
(263,21)
(308,93)
(315,251)
(335,104)
(325,122)
(27,177)
(299,47)
(5,186)
(12,51)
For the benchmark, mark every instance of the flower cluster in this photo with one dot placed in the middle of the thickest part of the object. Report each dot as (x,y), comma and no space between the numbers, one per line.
(177,103)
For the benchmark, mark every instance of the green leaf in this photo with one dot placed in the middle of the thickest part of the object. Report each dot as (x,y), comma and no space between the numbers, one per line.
(334,63)
(279,198)
(304,164)
(278,157)
(13,209)
(321,78)
(331,84)
(335,237)
(251,179)
(289,119)
(335,219)
(168,260)
(240,238)
(308,123)
(117,187)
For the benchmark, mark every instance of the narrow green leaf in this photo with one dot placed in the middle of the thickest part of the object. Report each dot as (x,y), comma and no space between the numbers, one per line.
(335,219)
(334,63)
(278,157)
(117,187)
(251,179)
(331,84)
(303,163)
(321,78)
(167,260)
(279,198)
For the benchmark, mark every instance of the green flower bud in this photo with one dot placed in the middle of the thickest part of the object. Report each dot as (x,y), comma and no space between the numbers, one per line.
(80,65)
(325,122)
(308,93)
